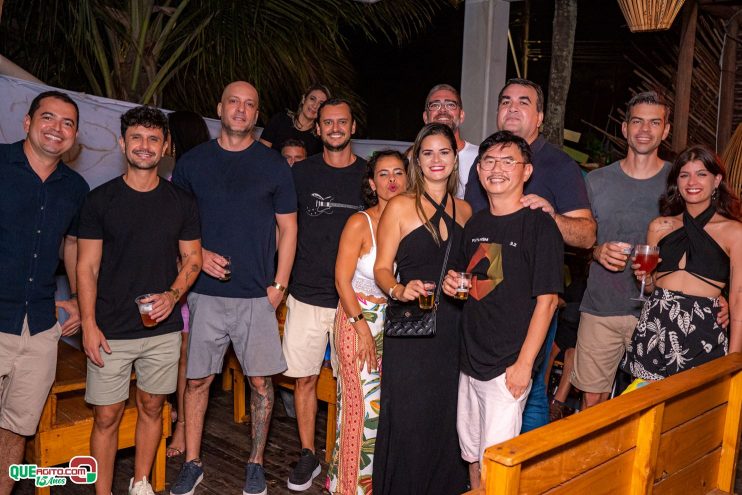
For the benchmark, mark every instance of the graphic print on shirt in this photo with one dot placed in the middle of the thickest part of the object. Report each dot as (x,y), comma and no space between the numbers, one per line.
(324,206)
(487,255)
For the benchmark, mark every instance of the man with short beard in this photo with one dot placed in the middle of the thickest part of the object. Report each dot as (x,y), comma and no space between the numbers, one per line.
(625,198)
(132,230)
(244,190)
(443,105)
(40,199)
(328,190)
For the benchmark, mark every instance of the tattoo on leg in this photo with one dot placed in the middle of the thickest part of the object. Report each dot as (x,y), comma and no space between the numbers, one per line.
(261,406)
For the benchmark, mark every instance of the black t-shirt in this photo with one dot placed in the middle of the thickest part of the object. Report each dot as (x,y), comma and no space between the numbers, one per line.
(327,197)
(513,259)
(140,233)
(281,128)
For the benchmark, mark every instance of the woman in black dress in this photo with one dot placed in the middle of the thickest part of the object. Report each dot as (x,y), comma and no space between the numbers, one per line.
(299,124)
(417,449)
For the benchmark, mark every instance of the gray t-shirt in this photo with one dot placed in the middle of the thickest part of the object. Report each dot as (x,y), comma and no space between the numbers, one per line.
(622,207)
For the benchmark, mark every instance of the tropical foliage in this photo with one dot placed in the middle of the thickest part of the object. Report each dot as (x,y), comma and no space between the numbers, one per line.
(180,53)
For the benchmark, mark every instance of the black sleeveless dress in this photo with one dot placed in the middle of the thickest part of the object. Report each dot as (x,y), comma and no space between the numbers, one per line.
(417,447)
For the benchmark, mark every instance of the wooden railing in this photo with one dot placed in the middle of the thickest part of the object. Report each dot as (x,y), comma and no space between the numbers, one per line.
(678,435)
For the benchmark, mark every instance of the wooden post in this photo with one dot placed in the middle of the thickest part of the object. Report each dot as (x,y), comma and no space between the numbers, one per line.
(684,76)
(647,445)
(500,479)
(730,439)
(726,90)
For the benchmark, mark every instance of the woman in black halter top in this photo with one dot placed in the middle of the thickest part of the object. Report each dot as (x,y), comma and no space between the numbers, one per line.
(700,241)
(417,449)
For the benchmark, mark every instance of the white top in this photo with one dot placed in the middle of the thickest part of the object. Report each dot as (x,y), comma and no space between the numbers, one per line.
(363,278)
(467,156)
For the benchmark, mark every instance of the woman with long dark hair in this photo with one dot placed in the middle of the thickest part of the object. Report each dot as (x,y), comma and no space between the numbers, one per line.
(417,448)
(700,240)
(359,329)
(298,124)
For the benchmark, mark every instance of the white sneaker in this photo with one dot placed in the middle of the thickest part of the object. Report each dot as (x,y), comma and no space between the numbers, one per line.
(140,487)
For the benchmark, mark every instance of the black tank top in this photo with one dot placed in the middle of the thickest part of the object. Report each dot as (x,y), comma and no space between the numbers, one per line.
(704,258)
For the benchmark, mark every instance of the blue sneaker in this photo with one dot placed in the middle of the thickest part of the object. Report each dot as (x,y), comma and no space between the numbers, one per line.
(254,480)
(189,477)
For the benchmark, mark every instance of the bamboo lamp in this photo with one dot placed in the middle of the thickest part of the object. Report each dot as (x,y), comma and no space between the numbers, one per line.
(650,15)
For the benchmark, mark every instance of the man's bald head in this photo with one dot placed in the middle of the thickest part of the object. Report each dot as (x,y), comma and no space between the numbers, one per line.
(238,108)
(239,87)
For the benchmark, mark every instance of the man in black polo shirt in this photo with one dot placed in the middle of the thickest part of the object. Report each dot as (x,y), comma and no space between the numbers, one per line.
(40,198)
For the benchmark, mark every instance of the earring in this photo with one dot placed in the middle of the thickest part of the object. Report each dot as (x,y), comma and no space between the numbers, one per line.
(715,194)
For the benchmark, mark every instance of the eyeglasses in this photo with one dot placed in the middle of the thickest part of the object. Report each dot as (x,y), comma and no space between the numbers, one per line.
(450,105)
(507,163)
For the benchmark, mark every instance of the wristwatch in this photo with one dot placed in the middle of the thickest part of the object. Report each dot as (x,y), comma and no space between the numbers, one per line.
(278,286)
(354,319)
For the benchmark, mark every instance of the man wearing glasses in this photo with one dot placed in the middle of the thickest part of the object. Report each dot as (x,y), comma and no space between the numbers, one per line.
(515,255)
(443,105)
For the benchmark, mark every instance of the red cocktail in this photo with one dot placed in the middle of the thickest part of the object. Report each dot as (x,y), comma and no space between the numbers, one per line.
(647,258)
(648,261)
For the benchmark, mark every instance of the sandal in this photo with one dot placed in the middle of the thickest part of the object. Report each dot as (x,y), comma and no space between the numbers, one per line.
(173,452)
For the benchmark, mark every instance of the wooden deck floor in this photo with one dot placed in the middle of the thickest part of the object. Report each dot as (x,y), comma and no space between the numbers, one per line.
(225,449)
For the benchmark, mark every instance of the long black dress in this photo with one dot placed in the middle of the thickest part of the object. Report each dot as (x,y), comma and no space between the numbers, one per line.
(417,448)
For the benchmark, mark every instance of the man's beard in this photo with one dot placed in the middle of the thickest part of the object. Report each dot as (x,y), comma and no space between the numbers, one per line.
(232,132)
(141,167)
(339,147)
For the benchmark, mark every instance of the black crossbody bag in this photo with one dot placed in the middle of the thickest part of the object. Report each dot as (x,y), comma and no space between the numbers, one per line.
(408,319)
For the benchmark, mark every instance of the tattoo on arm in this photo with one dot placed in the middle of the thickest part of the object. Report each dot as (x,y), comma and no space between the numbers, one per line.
(192,274)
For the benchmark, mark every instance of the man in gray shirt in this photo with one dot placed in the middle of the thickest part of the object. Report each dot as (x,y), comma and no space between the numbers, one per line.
(624,198)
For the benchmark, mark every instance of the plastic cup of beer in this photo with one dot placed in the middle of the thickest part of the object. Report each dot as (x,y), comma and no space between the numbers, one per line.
(228,267)
(463,283)
(425,301)
(145,308)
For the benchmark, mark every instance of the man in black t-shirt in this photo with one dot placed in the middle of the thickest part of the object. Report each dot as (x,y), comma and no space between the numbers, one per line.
(132,230)
(515,257)
(328,190)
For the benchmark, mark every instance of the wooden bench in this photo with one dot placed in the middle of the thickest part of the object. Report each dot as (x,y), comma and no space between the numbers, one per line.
(678,435)
(67,420)
(234,380)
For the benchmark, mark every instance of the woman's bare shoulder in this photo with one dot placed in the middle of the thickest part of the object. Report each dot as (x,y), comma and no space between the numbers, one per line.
(729,231)
(463,210)
(356,223)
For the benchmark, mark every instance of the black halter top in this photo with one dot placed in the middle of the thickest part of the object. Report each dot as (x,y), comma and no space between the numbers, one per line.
(704,258)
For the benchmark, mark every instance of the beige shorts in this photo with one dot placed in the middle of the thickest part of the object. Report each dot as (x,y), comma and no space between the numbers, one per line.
(601,343)
(155,360)
(305,335)
(27,368)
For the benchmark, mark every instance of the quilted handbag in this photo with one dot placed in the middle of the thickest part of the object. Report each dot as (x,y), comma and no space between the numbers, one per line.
(407,319)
